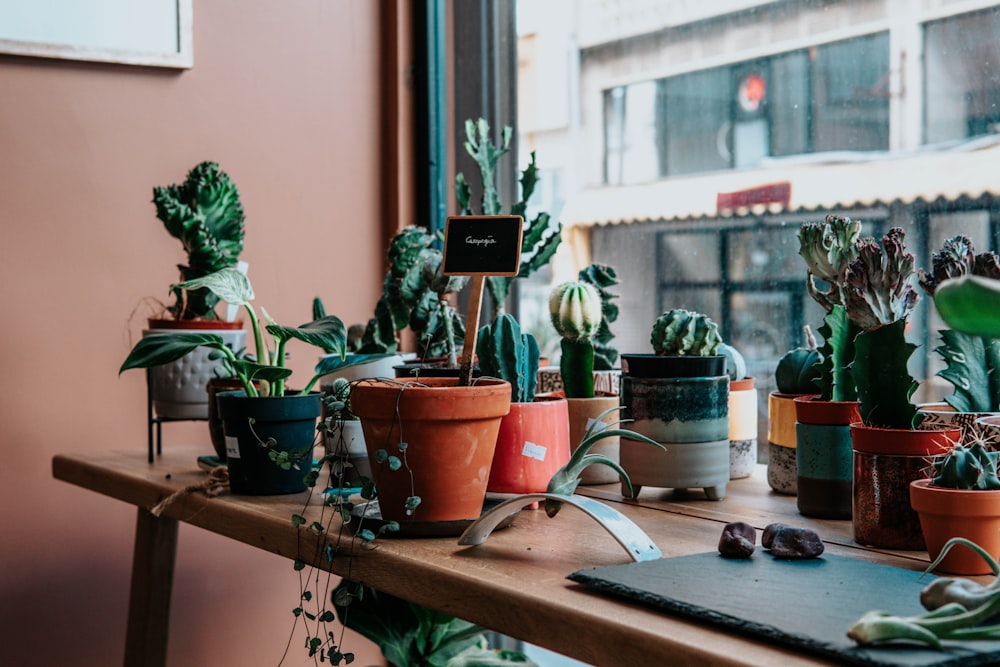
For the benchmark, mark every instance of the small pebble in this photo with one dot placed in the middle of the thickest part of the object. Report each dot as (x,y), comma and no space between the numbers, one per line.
(737,540)
(795,543)
(767,538)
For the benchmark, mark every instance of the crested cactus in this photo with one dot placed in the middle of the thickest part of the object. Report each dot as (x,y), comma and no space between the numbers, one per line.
(973,362)
(680,332)
(205,214)
(505,352)
(969,467)
(539,237)
(602,276)
(575,308)
(879,299)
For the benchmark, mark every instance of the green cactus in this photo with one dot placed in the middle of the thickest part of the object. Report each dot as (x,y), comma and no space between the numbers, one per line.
(828,248)
(967,467)
(575,308)
(796,370)
(602,276)
(507,353)
(206,215)
(680,332)
(539,237)
(834,375)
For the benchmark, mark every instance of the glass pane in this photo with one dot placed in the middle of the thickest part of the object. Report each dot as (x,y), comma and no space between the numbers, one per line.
(694,115)
(689,257)
(851,94)
(764,253)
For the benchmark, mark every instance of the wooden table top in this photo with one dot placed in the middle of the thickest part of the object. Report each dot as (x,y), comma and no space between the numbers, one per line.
(515,583)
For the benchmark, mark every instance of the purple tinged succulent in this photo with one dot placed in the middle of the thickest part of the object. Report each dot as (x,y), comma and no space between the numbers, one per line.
(957,258)
(878,289)
(828,248)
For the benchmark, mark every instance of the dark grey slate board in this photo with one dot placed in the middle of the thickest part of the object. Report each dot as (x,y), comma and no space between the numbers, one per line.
(805,604)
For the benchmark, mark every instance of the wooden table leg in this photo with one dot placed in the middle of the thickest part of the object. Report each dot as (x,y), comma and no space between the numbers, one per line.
(149,600)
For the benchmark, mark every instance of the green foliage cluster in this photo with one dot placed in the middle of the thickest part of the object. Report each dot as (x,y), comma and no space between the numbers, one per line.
(969,467)
(680,332)
(507,353)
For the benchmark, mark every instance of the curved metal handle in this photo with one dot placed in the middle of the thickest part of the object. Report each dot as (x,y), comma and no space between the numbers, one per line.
(632,538)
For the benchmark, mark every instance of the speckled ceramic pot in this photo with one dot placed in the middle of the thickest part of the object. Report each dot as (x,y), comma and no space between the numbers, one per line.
(782,471)
(823,456)
(885,462)
(742,428)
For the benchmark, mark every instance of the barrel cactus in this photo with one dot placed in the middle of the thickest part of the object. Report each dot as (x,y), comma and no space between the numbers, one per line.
(680,332)
(505,352)
(576,313)
(969,467)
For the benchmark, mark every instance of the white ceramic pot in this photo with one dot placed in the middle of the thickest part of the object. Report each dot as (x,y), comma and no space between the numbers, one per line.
(742,428)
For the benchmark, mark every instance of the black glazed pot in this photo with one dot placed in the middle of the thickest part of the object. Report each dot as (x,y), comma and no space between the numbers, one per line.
(661,366)
(290,421)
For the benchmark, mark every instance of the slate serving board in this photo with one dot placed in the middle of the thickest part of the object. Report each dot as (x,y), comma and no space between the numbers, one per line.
(805,604)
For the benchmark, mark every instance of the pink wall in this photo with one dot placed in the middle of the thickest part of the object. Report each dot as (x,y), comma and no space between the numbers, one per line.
(285,97)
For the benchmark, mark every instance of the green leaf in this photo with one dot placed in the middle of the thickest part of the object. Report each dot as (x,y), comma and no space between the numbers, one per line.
(254,371)
(972,369)
(970,304)
(230,285)
(158,349)
(328,333)
(882,378)
(333,363)
(835,377)
(298,520)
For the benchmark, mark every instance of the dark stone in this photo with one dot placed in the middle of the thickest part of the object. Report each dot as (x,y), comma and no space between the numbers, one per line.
(737,541)
(796,543)
(767,539)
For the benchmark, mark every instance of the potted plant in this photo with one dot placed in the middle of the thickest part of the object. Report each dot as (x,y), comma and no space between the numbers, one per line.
(205,214)
(889,451)
(533,439)
(269,430)
(679,397)
(742,414)
(794,376)
(960,499)
(823,422)
(577,313)
(972,361)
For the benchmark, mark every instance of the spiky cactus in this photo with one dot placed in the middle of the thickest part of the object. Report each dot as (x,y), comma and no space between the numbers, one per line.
(969,467)
(575,308)
(796,370)
(205,214)
(507,353)
(540,236)
(879,299)
(680,332)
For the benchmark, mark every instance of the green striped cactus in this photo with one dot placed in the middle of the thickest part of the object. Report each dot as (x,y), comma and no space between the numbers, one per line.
(683,333)
(969,468)
(507,353)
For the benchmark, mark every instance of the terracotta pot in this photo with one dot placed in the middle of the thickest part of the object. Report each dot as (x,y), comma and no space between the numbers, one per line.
(742,428)
(823,456)
(451,434)
(532,444)
(782,473)
(582,413)
(195,325)
(937,415)
(886,461)
(947,513)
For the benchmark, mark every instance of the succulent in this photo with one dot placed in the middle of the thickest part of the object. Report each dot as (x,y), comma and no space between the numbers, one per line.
(796,370)
(828,248)
(736,363)
(540,237)
(970,467)
(973,362)
(575,308)
(680,332)
(602,276)
(505,352)
(879,299)
(206,215)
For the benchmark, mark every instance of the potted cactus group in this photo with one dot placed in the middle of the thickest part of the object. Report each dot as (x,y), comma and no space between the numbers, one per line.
(678,397)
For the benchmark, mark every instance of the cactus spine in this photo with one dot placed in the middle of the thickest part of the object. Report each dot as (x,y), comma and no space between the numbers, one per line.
(970,468)
(507,353)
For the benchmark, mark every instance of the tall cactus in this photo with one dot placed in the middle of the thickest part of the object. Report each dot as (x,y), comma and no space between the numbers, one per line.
(540,237)
(507,353)
(680,332)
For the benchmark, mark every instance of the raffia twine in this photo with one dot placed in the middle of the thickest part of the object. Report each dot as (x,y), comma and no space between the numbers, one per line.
(216,484)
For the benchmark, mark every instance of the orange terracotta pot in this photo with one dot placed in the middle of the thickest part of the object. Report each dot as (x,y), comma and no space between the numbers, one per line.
(810,409)
(451,434)
(947,513)
(532,444)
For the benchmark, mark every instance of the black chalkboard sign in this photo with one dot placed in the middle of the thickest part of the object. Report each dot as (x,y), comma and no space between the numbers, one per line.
(484,245)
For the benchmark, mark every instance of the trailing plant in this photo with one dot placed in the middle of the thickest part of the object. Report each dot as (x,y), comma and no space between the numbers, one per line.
(575,308)
(415,294)
(828,249)
(262,375)
(796,370)
(505,352)
(972,361)
(205,214)
(958,610)
(602,276)
(680,332)
(879,299)
(970,467)
(540,236)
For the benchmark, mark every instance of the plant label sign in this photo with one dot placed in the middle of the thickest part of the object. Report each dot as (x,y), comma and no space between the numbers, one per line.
(484,245)
(479,246)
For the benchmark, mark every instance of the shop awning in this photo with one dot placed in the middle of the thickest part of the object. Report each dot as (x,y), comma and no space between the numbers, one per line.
(817,182)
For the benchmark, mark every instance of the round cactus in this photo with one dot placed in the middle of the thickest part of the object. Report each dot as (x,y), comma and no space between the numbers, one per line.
(575,308)
(796,371)
(680,332)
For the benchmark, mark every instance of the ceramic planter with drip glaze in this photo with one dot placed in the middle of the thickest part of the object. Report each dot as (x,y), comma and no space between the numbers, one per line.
(886,461)
(823,457)
(782,468)
(682,403)
(451,435)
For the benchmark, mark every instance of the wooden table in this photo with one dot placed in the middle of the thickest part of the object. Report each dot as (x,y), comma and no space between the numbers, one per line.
(515,583)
